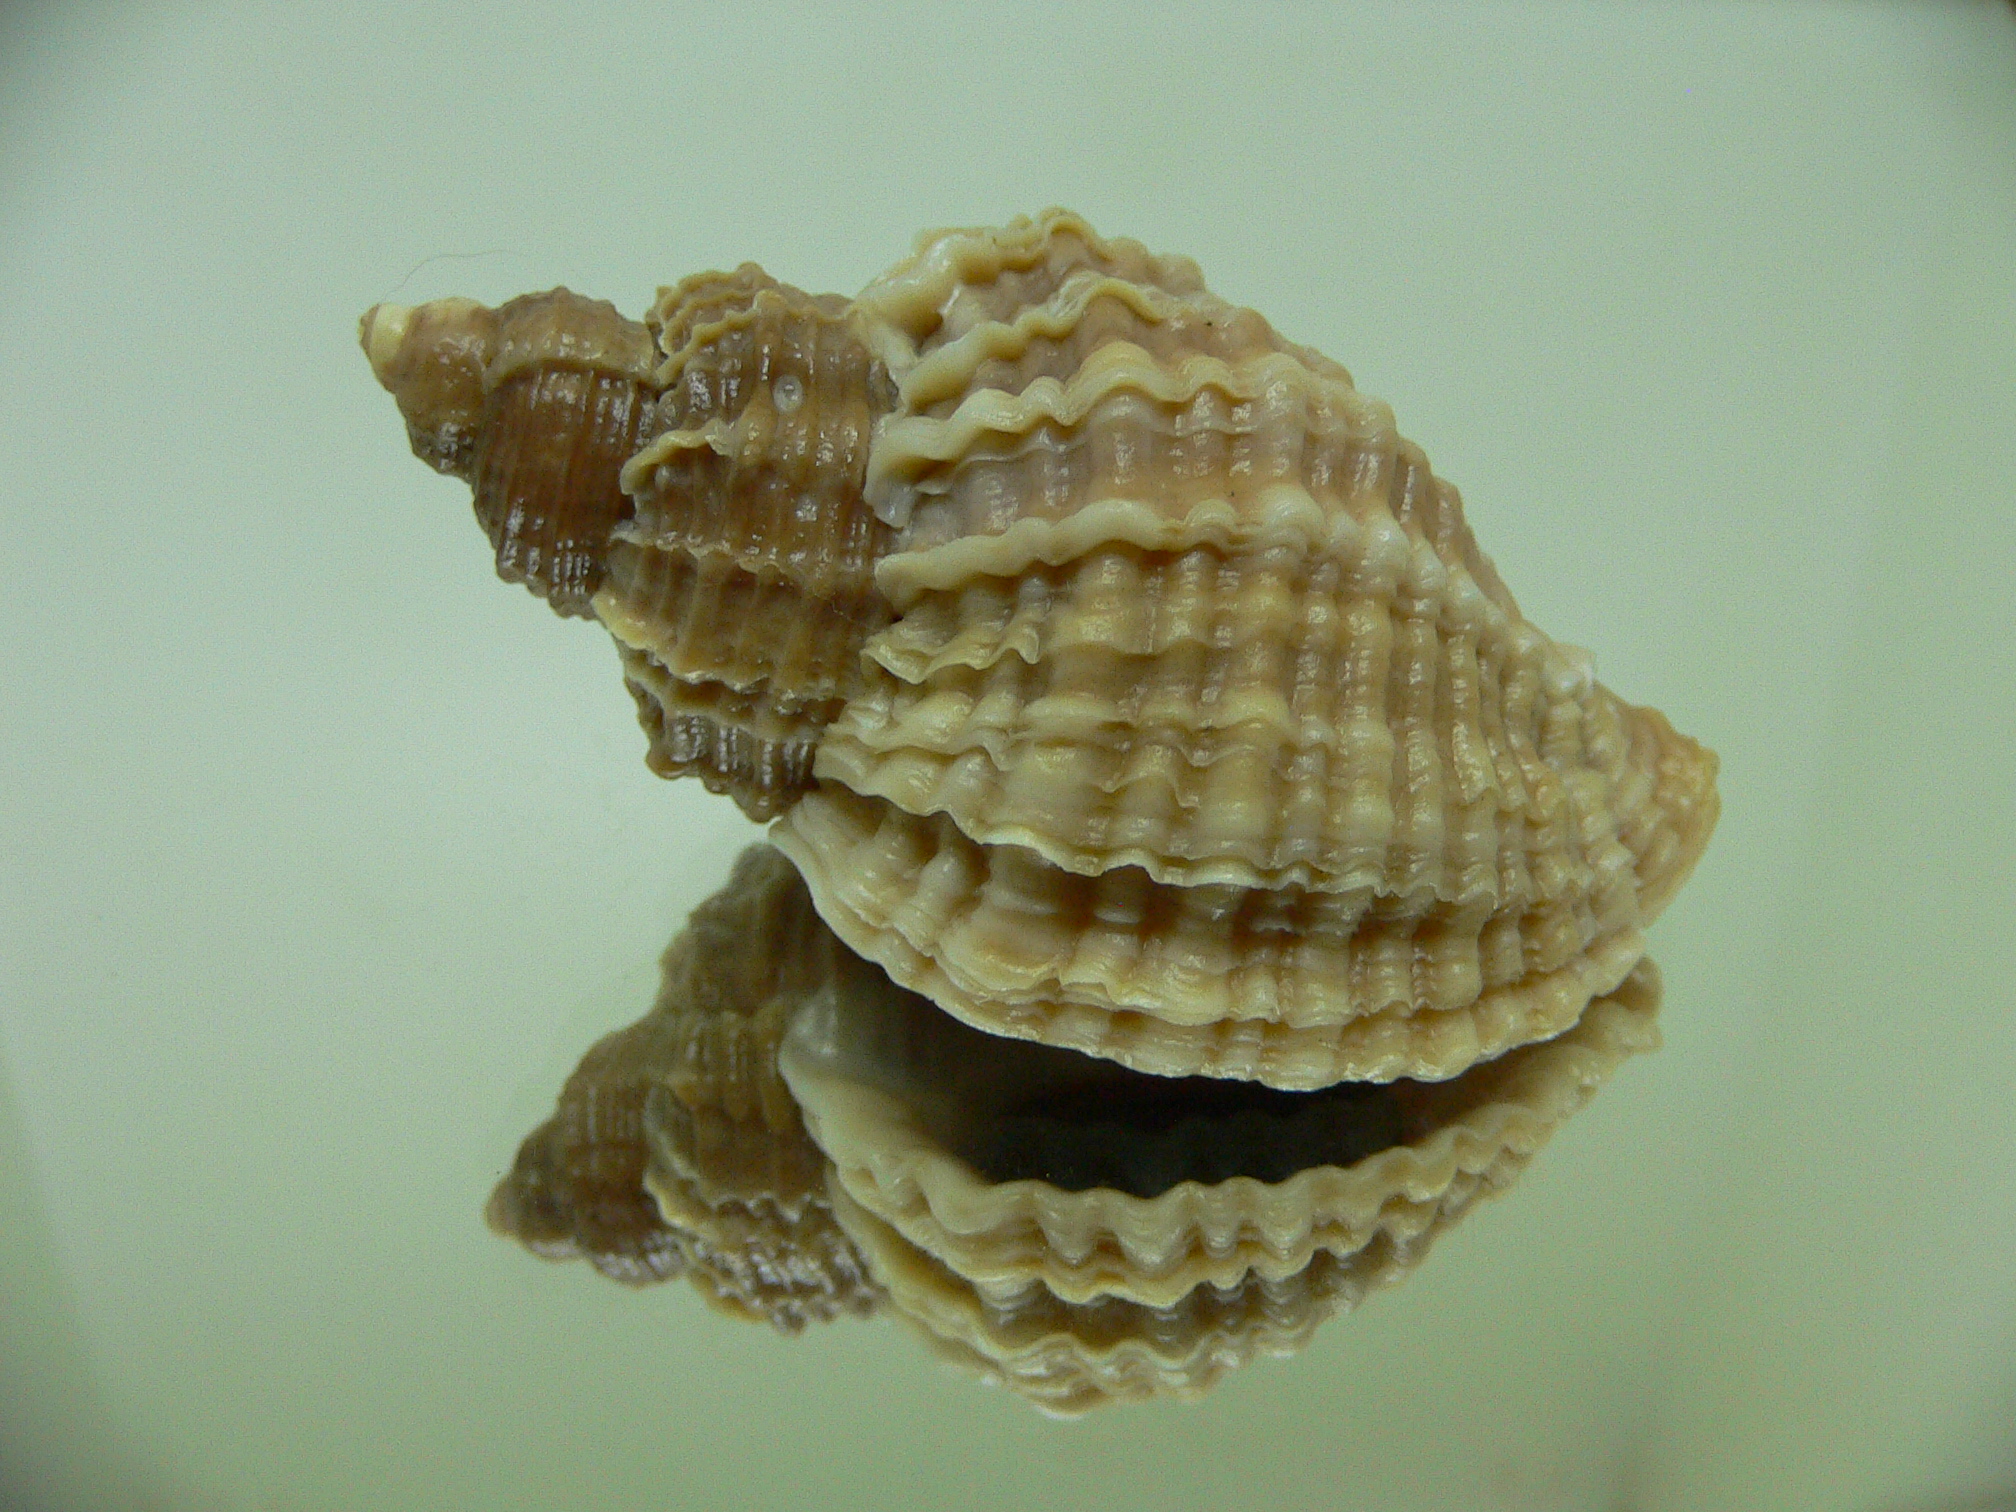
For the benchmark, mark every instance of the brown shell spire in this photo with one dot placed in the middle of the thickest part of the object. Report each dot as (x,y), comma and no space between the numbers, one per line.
(694,481)
(536,405)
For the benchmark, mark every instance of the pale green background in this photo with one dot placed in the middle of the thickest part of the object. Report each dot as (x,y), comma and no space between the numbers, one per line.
(325,855)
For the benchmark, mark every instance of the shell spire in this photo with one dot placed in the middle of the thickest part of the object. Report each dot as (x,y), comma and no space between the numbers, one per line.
(692,480)
(676,1148)
(536,405)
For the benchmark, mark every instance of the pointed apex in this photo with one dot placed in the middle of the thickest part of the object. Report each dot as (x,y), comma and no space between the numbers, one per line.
(431,358)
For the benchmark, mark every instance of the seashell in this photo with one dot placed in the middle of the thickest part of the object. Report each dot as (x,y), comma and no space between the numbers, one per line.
(1119,676)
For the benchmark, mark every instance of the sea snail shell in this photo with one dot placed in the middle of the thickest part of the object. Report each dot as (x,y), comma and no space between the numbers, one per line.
(1118,675)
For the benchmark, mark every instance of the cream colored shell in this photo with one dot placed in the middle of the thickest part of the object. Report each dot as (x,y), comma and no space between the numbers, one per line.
(1118,674)
(1123,686)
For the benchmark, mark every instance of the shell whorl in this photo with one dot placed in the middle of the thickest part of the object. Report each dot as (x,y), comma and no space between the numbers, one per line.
(741,585)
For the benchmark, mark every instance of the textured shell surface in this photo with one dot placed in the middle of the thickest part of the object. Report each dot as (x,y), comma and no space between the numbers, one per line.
(1117,674)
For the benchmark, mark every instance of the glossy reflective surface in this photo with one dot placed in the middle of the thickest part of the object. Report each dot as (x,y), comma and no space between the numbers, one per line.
(310,903)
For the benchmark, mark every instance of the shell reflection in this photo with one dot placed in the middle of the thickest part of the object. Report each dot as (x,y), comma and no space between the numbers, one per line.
(804,1139)
(676,1148)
